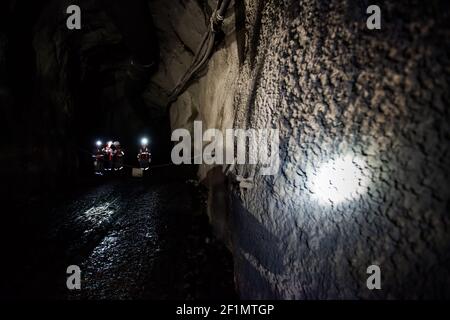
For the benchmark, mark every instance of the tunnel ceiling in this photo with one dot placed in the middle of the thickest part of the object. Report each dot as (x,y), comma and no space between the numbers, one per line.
(81,75)
(94,57)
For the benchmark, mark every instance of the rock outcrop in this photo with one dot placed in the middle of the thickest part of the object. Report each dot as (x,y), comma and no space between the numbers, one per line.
(335,90)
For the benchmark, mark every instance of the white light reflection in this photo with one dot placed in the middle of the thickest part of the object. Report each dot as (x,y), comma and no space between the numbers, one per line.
(340,180)
(99,213)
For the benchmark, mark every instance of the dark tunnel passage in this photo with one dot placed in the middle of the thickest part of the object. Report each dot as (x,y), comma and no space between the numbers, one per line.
(357,124)
(66,96)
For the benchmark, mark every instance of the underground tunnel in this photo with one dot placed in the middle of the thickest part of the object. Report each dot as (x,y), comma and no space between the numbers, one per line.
(217,149)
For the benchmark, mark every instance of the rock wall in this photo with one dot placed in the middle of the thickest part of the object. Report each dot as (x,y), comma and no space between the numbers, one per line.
(337,92)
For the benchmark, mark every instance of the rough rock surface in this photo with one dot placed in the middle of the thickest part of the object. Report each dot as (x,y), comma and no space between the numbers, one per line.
(335,89)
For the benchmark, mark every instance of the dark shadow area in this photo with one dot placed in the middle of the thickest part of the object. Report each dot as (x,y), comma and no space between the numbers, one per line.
(249,231)
(132,238)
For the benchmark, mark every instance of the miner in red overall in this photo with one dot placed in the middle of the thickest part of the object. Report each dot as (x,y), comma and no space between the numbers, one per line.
(99,158)
(144,156)
(118,155)
(108,152)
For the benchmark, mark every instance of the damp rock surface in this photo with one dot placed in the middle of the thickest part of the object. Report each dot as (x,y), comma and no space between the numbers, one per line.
(132,239)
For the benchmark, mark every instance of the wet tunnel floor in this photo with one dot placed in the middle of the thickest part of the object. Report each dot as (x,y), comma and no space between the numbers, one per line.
(132,239)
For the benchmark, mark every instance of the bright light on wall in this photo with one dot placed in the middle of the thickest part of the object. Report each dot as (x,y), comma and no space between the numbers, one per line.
(339,180)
